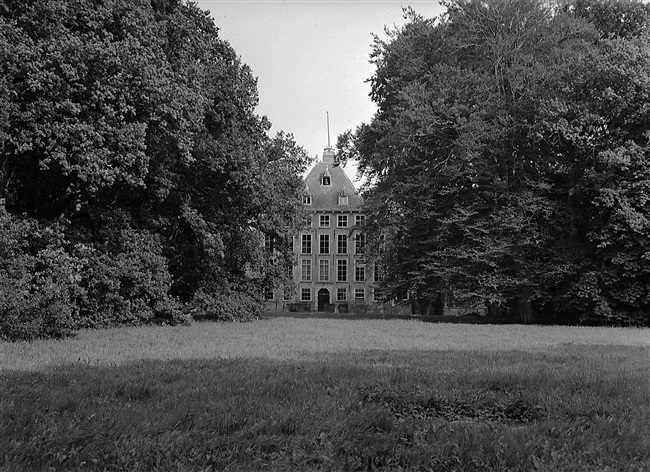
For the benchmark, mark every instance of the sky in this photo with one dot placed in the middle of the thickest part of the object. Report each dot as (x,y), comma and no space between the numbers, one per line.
(311,59)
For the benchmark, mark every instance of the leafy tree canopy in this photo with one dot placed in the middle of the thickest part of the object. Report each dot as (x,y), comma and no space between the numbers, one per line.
(507,161)
(134,115)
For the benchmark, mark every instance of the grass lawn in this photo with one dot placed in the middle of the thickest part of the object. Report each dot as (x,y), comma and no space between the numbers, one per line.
(296,394)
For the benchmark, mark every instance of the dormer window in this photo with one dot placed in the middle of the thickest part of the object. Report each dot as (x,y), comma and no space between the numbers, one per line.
(343,198)
(326,178)
(306,196)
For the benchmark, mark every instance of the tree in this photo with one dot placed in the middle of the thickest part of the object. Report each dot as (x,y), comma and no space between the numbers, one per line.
(134,117)
(478,152)
(605,132)
(613,19)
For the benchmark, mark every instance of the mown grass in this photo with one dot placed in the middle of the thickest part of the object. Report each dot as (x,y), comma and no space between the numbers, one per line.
(553,406)
(298,339)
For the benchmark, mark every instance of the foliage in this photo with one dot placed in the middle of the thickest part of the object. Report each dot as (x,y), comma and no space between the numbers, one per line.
(134,122)
(621,18)
(229,306)
(37,281)
(126,281)
(50,287)
(620,236)
(487,155)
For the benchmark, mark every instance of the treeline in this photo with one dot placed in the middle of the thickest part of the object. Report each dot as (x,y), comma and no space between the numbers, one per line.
(508,164)
(135,176)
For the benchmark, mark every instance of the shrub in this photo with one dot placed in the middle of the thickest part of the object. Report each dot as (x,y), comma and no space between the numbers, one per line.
(49,287)
(38,281)
(126,281)
(227,305)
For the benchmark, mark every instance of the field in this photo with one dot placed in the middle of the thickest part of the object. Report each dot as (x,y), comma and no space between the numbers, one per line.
(299,394)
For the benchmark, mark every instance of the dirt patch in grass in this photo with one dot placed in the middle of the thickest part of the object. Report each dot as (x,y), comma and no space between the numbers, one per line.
(405,405)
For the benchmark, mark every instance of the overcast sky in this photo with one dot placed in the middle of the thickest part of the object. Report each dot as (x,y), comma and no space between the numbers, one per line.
(310,58)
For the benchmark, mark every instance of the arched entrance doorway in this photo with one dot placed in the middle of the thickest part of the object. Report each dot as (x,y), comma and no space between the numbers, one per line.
(323,298)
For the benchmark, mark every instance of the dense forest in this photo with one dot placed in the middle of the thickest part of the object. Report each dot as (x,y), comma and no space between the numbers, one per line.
(135,176)
(508,163)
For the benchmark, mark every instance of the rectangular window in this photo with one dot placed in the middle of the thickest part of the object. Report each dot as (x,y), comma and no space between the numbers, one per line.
(360,244)
(268,293)
(306,244)
(305,294)
(305,272)
(324,270)
(324,244)
(269,241)
(342,221)
(324,221)
(378,272)
(307,199)
(359,220)
(342,270)
(343,200)
(359,295)
(359,274)
(341,294)
(342,244)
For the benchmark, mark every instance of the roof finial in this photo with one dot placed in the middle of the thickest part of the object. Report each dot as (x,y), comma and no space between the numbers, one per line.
(328,129)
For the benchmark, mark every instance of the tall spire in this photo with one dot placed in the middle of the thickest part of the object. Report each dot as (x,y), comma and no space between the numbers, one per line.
(328,154)
(328,130)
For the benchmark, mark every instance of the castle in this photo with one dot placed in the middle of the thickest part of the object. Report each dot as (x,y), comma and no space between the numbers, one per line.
(330,271)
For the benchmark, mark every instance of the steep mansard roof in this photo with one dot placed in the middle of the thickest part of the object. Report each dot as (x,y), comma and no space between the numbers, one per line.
(326,197)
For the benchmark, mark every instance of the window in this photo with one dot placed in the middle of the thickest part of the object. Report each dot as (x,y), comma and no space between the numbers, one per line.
(342,244)
(305,295)
(268,293)
(324,244)
(359,273)
(359,295)
(359,220)
(307,199)
(269,243)
(326,178)
(343,200)
(324,270)
(360,244)
(341,294)
(305,271)
(342,270)
(342,221)
(324,221)
(378,273)
(306,244)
